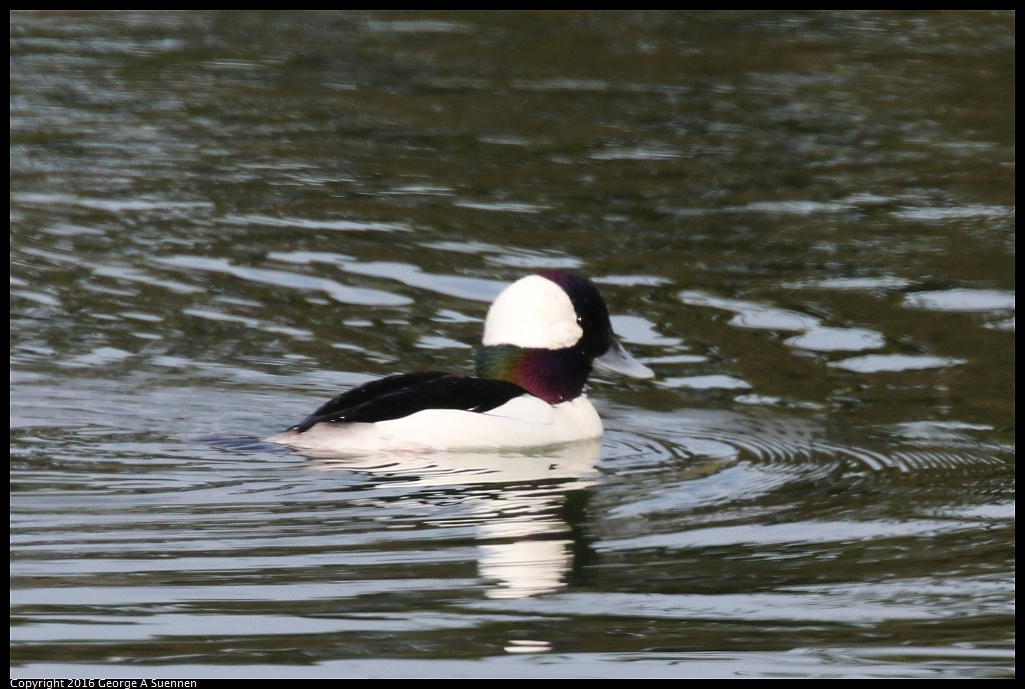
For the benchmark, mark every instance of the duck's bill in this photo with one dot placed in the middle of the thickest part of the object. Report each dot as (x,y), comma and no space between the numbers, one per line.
(619,360)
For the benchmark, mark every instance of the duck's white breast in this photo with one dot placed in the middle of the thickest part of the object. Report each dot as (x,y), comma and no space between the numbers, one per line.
(524,421)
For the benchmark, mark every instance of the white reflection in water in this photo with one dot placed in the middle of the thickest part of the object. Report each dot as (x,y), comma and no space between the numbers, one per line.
(572,462)
(826,339)
(965,300)
(527,646)
(507,207)
(891,363)
(1006,324)
(639,330)
(711,382)
(534,261)
(525,568)
(852,284)
(940,431)
(816,336)
(524,546)
(749,314)
(908,599)
(361,296)
(307,224)
(636,154)
(101,356)
(474,289)
(957,213)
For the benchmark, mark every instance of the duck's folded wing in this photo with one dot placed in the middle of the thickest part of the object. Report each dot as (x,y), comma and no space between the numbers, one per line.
(403,394)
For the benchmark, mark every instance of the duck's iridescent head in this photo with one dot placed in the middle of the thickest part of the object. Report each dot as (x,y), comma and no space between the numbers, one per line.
(545,332)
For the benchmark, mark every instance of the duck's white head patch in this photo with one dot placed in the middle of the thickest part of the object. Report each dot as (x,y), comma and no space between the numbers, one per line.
(532,312)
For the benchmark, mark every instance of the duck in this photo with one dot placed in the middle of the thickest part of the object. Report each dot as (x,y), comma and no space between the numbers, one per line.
(543,335)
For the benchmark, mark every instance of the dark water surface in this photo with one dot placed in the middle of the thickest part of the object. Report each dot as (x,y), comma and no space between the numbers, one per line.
(803,222)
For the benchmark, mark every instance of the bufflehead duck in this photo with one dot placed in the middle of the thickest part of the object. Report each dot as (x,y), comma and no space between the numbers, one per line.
(542,336)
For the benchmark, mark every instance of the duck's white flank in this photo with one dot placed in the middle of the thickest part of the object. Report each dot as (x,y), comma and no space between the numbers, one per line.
(524,421)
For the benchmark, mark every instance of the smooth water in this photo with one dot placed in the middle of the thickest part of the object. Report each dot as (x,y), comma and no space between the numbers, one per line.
(803,222)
